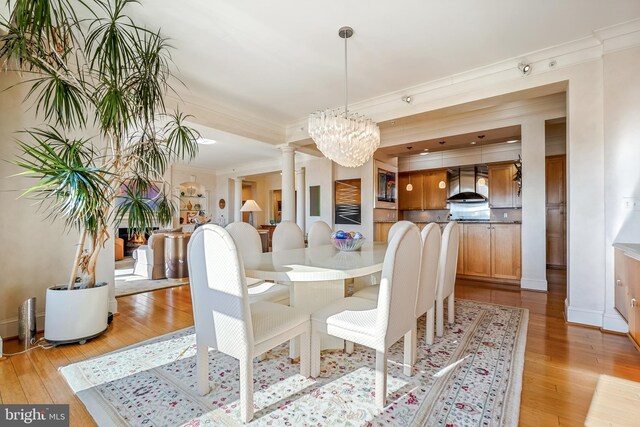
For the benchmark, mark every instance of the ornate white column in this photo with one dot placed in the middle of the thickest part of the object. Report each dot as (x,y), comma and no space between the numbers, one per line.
(288,183)
(301,212)
(237,200)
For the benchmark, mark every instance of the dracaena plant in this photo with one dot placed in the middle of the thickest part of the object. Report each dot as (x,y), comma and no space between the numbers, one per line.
(98,82)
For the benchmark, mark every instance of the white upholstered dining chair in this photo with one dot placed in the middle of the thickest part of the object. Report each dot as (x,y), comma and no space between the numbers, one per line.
(287,235)
(249,245)
(380,325)
(371,291)
(224,319)
(425,303)
(319,234)
(447,275)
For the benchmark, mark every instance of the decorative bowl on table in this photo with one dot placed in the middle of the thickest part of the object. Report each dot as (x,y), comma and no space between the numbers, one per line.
(347,241)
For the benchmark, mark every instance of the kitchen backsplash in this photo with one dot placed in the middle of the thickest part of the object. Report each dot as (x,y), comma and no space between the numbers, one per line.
(425,216)
(441,215)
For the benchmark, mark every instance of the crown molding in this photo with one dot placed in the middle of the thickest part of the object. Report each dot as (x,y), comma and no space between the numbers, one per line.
(425,96)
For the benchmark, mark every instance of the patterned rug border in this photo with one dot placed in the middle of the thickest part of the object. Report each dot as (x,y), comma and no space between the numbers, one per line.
(103,412)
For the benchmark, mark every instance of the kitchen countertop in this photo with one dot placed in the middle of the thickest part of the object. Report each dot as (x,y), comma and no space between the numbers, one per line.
(630,249)
(462,222)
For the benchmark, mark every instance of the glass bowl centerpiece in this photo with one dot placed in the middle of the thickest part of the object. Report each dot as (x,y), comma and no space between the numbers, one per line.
(347,241)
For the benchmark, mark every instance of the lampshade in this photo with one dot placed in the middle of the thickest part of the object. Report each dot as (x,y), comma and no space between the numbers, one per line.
(250,206)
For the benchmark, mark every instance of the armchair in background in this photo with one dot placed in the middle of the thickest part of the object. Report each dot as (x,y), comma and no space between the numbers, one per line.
(150,258)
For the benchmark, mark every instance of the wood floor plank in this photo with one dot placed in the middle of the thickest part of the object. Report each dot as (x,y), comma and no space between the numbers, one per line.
(563,362)
(32,385)
(10,386)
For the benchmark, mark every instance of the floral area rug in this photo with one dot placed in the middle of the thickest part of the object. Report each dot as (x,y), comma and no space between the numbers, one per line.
(472,376)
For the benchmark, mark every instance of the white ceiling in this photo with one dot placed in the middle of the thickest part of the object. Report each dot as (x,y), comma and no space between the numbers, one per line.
(280,60)
(230,150)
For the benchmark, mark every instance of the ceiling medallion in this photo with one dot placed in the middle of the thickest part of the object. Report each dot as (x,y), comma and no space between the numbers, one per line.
(347,138)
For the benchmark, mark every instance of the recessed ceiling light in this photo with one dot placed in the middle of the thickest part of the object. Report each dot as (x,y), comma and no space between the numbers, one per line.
(426,149)
(473,143)
(205,141)
(512,141)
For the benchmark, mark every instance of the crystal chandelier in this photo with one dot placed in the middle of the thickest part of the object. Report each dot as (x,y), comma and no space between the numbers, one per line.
(347,138)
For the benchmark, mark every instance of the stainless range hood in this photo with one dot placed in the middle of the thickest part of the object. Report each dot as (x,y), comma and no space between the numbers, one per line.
(464,186)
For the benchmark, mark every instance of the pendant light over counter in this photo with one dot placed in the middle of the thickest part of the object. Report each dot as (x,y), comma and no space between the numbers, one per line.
(347,138)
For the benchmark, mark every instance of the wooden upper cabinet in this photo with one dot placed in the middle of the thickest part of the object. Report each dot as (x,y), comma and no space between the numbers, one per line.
(503,191)
(555,179)
(505,251)
(410,200)
(434,196)
(477,250)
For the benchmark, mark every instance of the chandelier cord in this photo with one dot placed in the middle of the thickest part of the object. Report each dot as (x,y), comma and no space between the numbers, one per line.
(346,78)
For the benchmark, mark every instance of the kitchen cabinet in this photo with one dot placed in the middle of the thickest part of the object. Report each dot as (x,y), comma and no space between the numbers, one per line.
(460,266)
(434,196)
(627,290)
(477,250)
(505,251)
(555,181)
(503,190)
(556,236)
(622,288)
(411,191)
(490,250)
(632,275)
(381,231)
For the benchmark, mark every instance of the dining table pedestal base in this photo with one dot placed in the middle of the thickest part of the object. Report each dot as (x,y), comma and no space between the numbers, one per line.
(310,297)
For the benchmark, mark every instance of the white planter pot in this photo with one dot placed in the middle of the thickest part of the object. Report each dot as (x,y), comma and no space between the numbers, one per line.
(77,315)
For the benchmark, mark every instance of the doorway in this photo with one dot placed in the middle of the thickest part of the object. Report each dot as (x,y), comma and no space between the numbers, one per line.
(556,184)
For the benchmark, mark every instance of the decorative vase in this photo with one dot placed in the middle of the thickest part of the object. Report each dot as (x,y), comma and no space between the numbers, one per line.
(189,205)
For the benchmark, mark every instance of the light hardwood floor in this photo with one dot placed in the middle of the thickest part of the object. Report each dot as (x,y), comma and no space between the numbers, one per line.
(562,367)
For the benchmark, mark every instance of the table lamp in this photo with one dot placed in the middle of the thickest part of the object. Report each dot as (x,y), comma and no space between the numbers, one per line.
(250,206)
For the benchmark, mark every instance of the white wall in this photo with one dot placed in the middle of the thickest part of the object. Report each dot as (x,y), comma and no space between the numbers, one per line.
(621,158)
(319,172)
(36,252)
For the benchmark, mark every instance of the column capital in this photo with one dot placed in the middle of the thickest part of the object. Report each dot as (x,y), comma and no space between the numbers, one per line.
(287,148)
(299,171)
(238,178)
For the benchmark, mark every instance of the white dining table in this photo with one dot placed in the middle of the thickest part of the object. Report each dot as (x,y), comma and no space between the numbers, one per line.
(316,276)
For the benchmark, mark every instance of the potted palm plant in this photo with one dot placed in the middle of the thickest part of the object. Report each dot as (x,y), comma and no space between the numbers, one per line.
(98,81)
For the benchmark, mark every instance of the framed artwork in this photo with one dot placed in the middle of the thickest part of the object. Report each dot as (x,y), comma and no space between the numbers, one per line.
(348,199)
(314,200)
(386,194)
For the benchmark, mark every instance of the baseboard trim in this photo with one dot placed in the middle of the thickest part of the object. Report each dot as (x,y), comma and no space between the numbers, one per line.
(9,327)
(614,322)
(534,284)
(584,316)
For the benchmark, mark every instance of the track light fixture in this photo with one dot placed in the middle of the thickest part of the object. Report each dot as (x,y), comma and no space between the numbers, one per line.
(408,99)
(525,69)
